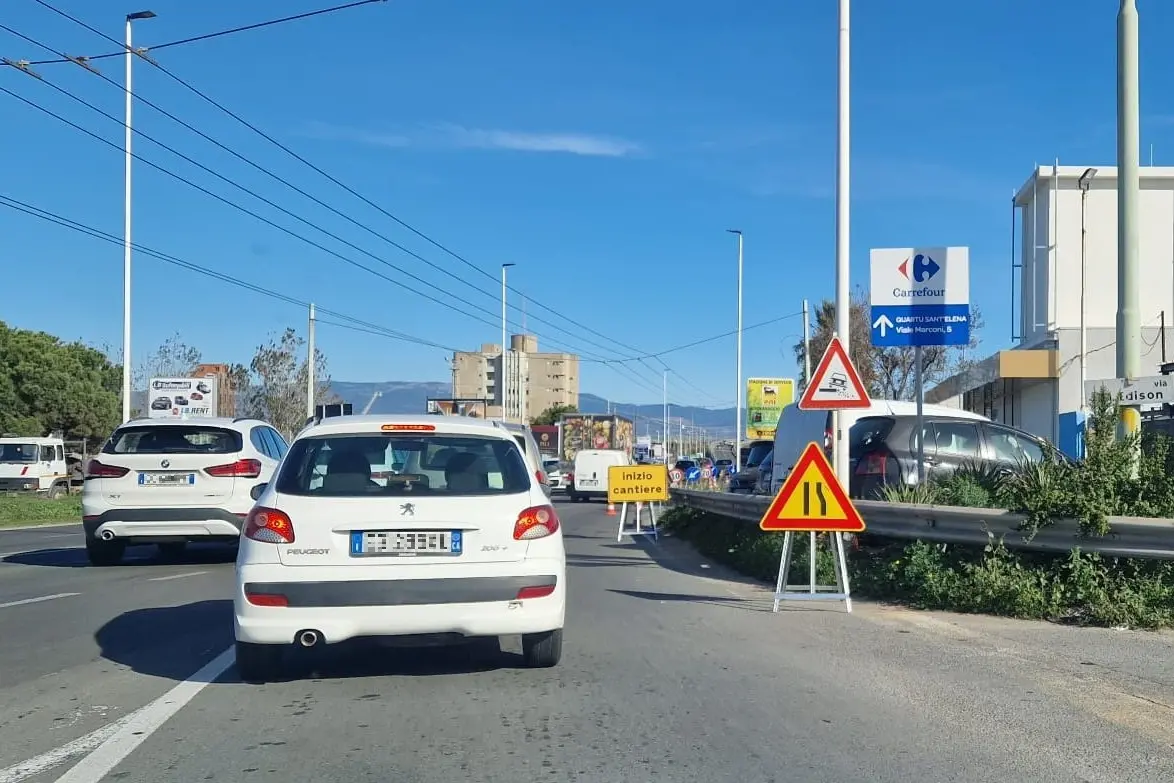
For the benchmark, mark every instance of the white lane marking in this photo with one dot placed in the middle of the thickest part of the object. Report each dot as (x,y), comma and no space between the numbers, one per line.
(38,599)
(46,761)
(135,728)
(175,576)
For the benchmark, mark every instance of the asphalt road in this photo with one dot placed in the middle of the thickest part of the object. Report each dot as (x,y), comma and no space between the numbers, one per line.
(671,671)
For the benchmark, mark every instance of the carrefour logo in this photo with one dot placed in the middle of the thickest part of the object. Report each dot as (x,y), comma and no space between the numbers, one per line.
(919,270)
(924,268)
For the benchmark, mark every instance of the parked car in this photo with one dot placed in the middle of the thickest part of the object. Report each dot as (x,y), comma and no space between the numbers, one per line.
(882,450)
(462,543)
(169,482)
(746,479)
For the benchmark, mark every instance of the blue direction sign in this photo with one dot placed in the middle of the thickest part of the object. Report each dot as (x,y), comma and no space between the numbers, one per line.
(920,296)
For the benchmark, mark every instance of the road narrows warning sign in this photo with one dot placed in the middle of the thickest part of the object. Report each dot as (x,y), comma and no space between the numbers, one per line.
(835,384)
(811,499)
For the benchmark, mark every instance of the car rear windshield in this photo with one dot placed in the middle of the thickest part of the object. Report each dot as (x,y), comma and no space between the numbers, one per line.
(174,439)
(868,432)
(362,465)
(758,453)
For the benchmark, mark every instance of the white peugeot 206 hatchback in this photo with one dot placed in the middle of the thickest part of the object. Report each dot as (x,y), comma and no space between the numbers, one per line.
(433,527)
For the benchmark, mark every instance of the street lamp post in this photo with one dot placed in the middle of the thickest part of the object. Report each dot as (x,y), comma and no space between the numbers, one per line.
(1085,181)
(503,380)
(738,390)
(126,216)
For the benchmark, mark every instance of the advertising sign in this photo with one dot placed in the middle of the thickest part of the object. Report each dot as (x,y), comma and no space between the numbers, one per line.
(181,398)
(473,407)
(920,296)
(765,400)
(547,437)
(584,431)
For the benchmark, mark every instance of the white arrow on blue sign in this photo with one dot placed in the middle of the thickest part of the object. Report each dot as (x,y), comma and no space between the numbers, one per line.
(920,296)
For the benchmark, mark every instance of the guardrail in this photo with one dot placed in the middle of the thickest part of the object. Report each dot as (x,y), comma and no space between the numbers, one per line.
(1130,536)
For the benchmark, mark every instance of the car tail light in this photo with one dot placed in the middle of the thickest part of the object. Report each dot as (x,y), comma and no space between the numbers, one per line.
(242,468)
(536,522)
(269,526)
(538,474)
(872,464)
(536,591)
(98,469)
(266,599)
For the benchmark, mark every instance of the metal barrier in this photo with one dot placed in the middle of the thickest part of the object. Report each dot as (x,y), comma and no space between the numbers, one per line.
(1130,536)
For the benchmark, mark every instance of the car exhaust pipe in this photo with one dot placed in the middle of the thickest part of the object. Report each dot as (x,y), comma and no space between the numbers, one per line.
(309,638)
(107,535)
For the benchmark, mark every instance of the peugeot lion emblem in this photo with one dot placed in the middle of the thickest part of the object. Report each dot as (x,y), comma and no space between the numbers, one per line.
(407,510)
(165,463)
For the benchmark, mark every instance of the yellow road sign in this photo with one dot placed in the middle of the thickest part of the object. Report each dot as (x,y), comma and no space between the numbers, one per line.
(637,484)
(812,499)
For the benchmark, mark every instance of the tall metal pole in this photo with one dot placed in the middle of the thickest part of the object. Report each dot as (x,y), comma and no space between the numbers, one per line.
(664,432)
(126,238)
(843,301)
(1085,180)
(806,345)
(738,389)
(503,379)
(311,363)
(1128,202)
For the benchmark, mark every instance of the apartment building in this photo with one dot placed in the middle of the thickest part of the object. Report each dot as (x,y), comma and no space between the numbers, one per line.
(532,381)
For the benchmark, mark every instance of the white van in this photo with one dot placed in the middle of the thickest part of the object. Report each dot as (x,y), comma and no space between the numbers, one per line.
(797,428)
(591,473)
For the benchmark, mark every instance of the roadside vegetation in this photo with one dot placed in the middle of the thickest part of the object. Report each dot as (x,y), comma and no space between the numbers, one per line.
(1078,587)
(19,510)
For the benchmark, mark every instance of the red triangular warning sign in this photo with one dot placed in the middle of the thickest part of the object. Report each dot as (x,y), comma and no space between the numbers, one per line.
(835,384)
(811,499)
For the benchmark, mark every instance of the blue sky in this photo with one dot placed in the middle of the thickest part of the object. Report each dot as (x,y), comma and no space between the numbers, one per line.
(602,147)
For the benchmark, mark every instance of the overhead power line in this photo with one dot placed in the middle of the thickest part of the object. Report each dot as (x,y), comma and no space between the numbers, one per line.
(82,228)
(322,172)
(205,36)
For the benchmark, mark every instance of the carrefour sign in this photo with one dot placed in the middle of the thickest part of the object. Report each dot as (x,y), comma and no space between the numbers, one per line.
(921,276)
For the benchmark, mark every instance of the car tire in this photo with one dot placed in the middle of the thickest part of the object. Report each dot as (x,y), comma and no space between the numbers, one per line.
(56,491)
(258,662)
(172,550)
(542,650)
(105,553)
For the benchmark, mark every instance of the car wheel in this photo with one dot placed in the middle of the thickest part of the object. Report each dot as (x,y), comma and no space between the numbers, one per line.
(542,650)
(105,553)
(172,550)
(257,662)
(56,491)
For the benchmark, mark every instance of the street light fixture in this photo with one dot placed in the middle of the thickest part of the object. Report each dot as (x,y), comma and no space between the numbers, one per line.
(126,216)
(738,391)
(503,381)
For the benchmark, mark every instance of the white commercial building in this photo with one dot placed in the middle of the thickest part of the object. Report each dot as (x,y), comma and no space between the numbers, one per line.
(1065,221)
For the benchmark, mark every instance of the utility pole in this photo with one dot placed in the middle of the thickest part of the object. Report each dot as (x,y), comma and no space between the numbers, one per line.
(843,259)
(1128,201)
(503,375)
(738,389)
(806,346)
(311,361)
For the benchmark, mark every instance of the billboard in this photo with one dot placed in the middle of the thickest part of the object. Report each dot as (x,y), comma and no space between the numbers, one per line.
(547,438)
(580,431)
(182,398)
(473,407)
(765,400)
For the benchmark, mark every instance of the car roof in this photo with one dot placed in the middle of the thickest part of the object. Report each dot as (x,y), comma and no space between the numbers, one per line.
(371,423)
(210,421)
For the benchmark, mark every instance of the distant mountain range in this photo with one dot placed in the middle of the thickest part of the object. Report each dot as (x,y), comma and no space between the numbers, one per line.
(411,397)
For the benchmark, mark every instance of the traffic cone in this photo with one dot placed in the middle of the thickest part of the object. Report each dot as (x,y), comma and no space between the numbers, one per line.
(611,509)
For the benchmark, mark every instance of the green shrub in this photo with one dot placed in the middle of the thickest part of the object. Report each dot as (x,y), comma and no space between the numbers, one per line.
(1077,587)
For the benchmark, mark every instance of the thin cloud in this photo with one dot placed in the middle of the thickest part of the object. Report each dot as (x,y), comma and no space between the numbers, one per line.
(451,136)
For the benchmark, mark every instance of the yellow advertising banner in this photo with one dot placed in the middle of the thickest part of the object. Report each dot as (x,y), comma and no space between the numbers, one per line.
(765,400)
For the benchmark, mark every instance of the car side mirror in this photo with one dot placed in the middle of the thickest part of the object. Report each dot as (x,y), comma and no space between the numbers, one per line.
(255,492)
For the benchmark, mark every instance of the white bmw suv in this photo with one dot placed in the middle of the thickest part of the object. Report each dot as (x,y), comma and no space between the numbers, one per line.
(423,526)
(172,481)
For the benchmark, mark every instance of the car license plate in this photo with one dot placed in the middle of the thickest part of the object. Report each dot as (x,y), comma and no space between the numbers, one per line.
(406,543)
(167,479)
(589,482)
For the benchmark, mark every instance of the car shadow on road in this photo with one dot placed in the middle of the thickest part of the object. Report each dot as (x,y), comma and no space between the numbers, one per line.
(173,642)
(756,604)
(136,556)
(603,561)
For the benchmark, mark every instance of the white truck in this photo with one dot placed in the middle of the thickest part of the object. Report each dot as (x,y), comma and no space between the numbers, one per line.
(34,466)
